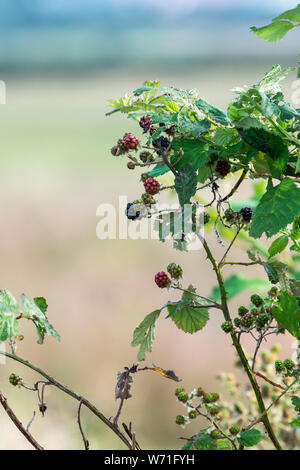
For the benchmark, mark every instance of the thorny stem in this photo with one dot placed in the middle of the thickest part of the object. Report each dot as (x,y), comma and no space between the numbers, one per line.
(72,394)
(18,423)
(239,349)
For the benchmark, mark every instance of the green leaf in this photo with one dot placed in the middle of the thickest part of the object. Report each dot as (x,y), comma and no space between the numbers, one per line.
(293,14)
(186,184)
(224,136)
(202,442)
(271,272)
(288,314)
(41,303)
(190,313)
(195,153)
(9,308)
(31,310)
(250,438)
(8,303)
(141,90)
(295,423)
(143,335)
(213,112)
(278,245)
(237,283)
(274,31)
(159,170)
(281,204)
(223,444)
(296,403)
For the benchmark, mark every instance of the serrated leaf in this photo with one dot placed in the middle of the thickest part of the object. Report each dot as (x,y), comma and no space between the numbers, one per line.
(281,204)
(237,283)
(274,31)
(159,170)
(195,153)
(143,335)
(278,245)
(8,303)
(213,112)
(293,14)
(31,310)
(8,326)
(190,313)
(41,303)
(186,184)
(202,442)
(271,272)
(250,438)
(224,136)
(288,314)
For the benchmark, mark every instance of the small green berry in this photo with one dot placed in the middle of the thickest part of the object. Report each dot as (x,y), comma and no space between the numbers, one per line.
(200,392)
(208,398)
(15,380)
(242,310)
(215,396)
(175,270)
(276,348)
(234,430)
(262,319)
(289,364)
(193,414)
(229,215)
(247,320)
(214,410)
(215,434)
(273,292)
(279,366)
(180,419)
(226,326)
(178,390)
(182,396)
(237,321)
(257,300)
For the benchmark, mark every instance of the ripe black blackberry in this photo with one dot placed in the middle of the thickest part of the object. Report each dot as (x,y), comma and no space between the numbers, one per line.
(146,123)
(223,168)
(131,211)
(246,214)
(160,144)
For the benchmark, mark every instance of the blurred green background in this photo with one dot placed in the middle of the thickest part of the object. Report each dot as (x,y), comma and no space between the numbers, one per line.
(61,62)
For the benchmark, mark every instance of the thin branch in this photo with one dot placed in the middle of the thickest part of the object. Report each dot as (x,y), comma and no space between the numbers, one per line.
(85,441)
(236,186)
(229,247)
(18,424)
(259,374)
(74,395)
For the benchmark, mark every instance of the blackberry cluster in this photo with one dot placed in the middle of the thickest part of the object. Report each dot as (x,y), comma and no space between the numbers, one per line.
(162,279)
(162,143)
(146,123)
(152,186)
(246,214)
(15,380)
(223,168)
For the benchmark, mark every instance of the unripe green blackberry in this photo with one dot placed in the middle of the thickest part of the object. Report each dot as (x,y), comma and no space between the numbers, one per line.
(148,199)
(206,218)
(262,319)
(237,321)
(289,364)
(273,292)
(255,312)
(200,392)
(183,396)
(215,396)
(229,215)
(146,156)
(242,311)
(279,366)
(175,270)
(193,414)
(239,408)
(180,419)
(226,326)
(214,410)
(15,380)
(208,398)
(215,434)
(247,320)
(144,177)
(257,300)
(179,390)
(234,430)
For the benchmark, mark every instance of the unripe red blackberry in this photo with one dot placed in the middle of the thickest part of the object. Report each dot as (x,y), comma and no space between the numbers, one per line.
(146,123)
(223,168)
(193,414)
(289,364)
(175,270)
(15,380)
(131,165)
(234,430)
(242,310)
(152,186)
(115,151)
(247,320)
(257,300)
(130,141)
(246,214)
(180,420)
(162,279)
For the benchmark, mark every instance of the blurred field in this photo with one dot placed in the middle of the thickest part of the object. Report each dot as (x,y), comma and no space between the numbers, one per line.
(56,169)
